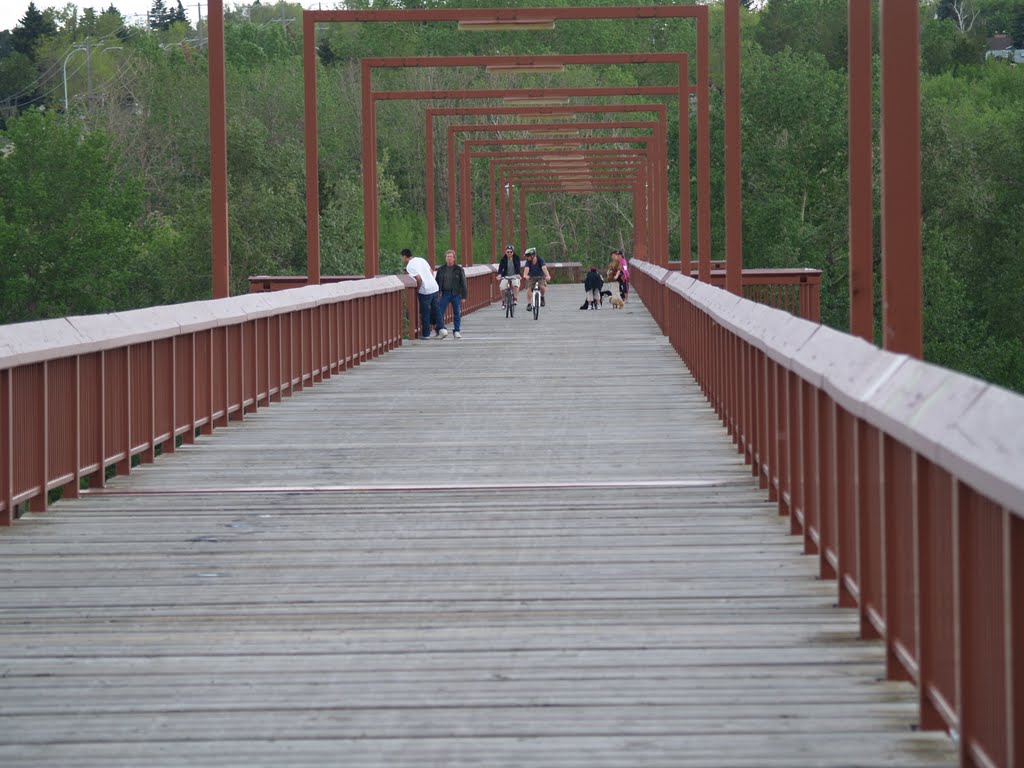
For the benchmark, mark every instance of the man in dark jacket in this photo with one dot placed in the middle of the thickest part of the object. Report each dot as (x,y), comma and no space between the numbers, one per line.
(508,273)
(451,279)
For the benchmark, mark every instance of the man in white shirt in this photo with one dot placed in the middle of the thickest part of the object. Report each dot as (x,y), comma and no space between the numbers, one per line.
(427,291)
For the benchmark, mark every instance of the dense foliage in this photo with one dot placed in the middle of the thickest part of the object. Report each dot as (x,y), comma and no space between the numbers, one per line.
(106,206)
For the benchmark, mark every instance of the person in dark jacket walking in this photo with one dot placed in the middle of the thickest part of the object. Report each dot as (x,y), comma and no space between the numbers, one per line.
(592,284)
(451,279)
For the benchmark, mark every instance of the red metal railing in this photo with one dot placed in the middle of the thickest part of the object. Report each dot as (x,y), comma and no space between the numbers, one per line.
(81,394)
(561,272)
(905,481)
(798,291)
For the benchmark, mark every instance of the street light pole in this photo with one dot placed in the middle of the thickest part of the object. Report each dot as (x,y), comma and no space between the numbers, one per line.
(87,47)
(70,54)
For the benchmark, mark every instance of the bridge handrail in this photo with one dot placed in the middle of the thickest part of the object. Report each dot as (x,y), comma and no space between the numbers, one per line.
(953,419)
(79,394)
(905,480)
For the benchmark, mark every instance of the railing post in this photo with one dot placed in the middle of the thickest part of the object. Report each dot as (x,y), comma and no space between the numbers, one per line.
(6,449)
(939,597)
(984,674)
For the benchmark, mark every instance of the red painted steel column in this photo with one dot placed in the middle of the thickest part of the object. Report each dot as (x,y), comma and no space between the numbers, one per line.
(492,214)
(650,205)
(703,151)
(662,150)
(431,235)
(862,306)
(218,151)
(733,173)
(522,221)
(639,215)
(312,152)
(467,214)
(654,206)
(901,177)
(504,204)
(685,204)
(637,192)
(369,157)
(452,161)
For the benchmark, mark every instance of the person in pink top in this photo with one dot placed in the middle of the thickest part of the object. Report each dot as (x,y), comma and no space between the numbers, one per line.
(620,273)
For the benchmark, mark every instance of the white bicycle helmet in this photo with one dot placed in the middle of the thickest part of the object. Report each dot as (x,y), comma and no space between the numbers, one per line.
(530,252)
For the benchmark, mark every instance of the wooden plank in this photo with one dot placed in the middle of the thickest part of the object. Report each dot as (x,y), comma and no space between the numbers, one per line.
(535,545)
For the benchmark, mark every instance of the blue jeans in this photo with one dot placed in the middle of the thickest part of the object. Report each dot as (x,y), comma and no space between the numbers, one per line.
(428,313)
(455,300)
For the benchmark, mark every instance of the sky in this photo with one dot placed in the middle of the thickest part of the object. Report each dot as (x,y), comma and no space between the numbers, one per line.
(12,11)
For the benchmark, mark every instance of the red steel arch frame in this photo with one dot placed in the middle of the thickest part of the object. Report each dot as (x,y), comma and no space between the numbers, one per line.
(681,91)
(591,167)
(660,110)
(658,163)
(643,222)
(311,18)
(625,178)
(524,176)
(548,156)
(647,141)
(641,202)
(508,93)
(704,159)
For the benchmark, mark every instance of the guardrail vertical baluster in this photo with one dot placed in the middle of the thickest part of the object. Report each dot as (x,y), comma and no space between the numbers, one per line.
(983,549)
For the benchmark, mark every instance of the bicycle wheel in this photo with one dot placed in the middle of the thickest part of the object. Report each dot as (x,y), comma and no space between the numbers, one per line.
(510,304)
(536,304)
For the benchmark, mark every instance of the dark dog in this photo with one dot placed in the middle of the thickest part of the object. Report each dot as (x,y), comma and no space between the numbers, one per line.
(603,294)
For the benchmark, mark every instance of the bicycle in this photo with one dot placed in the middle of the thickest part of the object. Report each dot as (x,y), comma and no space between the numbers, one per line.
(510,298)
(536,297)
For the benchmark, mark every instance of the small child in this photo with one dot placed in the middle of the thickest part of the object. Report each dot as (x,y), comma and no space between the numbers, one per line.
(592,284)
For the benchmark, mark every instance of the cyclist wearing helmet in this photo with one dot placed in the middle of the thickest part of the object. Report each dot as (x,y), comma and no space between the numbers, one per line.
(508,273)
(535,267)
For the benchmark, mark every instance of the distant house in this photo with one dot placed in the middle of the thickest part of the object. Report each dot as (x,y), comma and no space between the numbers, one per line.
(1001,47)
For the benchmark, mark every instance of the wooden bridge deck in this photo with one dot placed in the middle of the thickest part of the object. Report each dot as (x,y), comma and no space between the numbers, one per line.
(533,546)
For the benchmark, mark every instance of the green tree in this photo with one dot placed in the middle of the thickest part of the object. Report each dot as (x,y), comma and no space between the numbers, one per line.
(87,26)
(69,223)
(805,26)
(179,14)
(111,22)
(17,81)
(944,47)
(973,216)
(160,16)
(33,26)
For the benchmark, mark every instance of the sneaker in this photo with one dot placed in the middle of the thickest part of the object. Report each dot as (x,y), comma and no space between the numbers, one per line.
(458,335)
(515,303)
(542,302)
(443,333)
(529,307)
(503,305)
